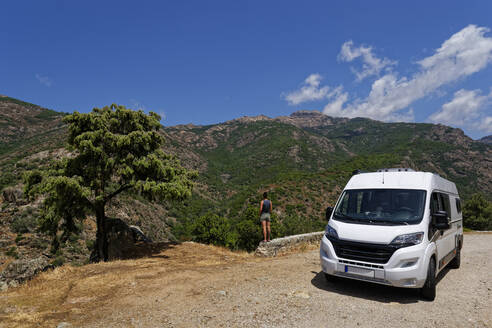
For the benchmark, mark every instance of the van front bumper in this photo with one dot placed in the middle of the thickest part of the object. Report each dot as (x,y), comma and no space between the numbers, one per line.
(407,267)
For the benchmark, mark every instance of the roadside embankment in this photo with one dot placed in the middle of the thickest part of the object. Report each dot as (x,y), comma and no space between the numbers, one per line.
(287,244)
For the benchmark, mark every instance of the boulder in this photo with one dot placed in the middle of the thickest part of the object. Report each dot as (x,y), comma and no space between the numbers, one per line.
(121,238)
(22,270)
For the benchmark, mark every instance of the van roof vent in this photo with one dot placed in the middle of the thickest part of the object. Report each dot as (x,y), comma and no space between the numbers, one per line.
(397,169)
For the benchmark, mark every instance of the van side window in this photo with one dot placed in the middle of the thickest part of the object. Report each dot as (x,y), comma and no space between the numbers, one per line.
(458,205)
(435,202)
(446,205)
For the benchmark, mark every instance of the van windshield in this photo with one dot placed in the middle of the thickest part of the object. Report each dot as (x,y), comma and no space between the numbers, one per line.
(381,206)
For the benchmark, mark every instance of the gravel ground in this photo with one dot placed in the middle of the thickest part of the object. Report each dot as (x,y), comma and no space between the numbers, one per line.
(290,291)
(186,287)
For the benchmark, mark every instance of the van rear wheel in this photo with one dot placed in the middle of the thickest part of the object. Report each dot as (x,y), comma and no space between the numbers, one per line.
(429,290)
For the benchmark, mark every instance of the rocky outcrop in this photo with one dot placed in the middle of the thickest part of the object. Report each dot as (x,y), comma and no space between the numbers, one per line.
(281,245)
(22,270)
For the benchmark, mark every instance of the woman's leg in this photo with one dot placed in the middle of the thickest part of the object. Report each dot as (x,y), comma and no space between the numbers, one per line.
(263,225)
(268,230)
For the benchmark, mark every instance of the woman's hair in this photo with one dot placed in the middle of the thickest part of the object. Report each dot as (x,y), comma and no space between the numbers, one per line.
(265,194)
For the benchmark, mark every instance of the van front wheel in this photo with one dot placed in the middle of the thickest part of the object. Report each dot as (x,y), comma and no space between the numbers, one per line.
(429,290)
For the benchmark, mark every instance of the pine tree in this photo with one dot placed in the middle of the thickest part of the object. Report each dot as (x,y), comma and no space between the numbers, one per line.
(113,150)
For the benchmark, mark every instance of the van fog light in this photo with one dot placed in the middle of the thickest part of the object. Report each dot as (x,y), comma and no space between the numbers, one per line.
(409,282)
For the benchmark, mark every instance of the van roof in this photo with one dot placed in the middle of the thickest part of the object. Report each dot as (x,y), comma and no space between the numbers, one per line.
(401,180)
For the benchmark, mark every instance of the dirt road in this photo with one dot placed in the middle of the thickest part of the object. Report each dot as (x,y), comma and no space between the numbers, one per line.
(192,285)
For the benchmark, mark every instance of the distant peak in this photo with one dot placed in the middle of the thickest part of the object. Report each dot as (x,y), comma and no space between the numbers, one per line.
(306,113)
(252,118)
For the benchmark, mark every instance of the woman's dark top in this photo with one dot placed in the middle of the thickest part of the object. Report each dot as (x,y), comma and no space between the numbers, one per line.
(266,206)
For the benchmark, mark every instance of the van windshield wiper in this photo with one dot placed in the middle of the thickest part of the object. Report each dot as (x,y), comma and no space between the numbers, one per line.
(390,222)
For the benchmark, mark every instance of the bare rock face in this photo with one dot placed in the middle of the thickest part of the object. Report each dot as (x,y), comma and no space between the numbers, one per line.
(310,119)
(24,269)
(279,245)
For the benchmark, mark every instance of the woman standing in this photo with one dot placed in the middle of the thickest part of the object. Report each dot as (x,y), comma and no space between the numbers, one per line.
(265,212)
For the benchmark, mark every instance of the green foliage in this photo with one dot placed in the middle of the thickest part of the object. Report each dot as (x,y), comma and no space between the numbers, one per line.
(249,230)
(119,149)
(213,229)
(477,213)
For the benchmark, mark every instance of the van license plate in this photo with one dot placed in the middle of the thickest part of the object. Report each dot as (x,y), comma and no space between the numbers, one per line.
(359,271)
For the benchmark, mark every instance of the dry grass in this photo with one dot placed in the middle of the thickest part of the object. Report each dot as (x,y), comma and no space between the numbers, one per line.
(65,293)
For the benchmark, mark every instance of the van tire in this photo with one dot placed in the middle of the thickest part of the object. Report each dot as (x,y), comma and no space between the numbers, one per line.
(428,292)
(456,261)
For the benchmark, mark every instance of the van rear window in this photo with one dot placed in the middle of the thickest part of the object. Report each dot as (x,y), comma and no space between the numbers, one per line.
(381,206)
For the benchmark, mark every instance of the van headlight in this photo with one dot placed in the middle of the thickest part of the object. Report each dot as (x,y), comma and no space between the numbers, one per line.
(408,239)
(330,232)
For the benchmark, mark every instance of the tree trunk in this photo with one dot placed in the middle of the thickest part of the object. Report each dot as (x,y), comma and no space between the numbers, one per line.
(100,252)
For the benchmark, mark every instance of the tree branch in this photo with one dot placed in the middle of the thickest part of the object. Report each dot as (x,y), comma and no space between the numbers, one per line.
(119,190)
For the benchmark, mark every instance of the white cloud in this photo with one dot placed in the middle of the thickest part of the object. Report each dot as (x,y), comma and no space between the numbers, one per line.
(309,91)
(372,65)
(464,53)
(466,110)
(44,80)
(485,125)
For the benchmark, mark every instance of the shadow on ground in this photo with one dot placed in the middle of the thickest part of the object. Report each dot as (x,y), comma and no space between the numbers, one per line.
(152,250)
(370,291)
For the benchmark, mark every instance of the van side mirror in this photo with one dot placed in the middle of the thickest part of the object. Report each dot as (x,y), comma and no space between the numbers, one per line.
(329,210)
(440,220)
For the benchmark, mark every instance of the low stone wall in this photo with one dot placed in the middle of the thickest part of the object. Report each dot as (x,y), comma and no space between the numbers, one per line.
(281,245)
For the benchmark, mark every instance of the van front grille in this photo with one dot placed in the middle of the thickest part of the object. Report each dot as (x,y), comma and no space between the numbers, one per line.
(373,253)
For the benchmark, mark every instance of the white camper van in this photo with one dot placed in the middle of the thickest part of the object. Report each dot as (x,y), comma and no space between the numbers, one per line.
(395,227)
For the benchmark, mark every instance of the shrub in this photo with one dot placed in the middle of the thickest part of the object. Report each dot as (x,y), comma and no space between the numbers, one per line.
(249,234)
(477,213)
(58,261)
(213,229)
(23,223)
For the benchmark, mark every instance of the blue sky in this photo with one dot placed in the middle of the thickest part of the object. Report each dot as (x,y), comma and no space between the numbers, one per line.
(205,62)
